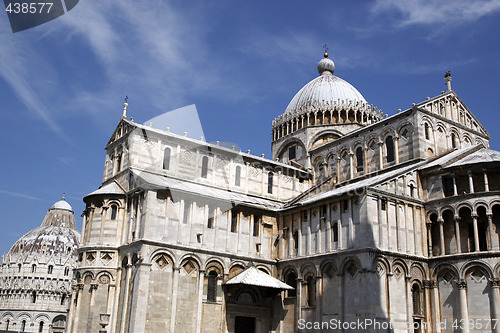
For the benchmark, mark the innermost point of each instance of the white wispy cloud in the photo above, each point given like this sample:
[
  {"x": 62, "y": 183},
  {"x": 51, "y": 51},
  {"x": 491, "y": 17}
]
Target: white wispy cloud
[
  {"x": 145, "y": 49},
  {"x": 437, "y": 11},
  {"x": 19, "y": 195},
  {"x": 17, "y": 70}
]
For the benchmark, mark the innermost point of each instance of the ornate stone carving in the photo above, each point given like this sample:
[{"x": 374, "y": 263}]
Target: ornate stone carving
[
  {"x": 462, "y": 284},
  {"x": 104, "y": 279}
]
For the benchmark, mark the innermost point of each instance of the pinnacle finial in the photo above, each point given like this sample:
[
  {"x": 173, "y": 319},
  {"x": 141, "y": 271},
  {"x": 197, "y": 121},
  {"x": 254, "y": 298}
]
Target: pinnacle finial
[
  {"x": 64, "y": 197},
  {"x": 325, "y": 47},
  {"x": 124, "y": 116},
  {"x": 447, "y": 79}
]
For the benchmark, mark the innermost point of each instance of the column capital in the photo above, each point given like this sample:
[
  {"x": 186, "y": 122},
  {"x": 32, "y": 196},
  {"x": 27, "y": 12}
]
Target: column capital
[
  {"x": 440, "y": 221},
  {"x": 495, "y": 282},
  {"x": 430, "y": 284},
  {"x": 93, "y": 286},
  {"x": 462, "y": 284}
]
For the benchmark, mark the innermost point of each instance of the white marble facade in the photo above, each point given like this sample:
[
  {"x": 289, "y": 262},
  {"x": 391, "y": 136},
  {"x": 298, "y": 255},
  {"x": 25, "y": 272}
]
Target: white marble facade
[{"x": 393, "y": 221}]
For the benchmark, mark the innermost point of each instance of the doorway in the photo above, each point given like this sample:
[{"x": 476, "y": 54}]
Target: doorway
[{"x": 244, "y": 324}]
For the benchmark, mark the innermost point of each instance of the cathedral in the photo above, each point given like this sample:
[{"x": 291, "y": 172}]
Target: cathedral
[{"x": 360, "y": 222}]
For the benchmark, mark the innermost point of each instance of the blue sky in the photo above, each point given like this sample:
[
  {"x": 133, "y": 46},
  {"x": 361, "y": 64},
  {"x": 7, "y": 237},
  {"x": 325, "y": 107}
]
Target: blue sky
[{"x": 62, "y": 84}]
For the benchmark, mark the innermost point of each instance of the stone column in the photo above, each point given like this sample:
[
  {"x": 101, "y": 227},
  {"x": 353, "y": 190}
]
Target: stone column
[
  {"x": 200, "y": 301},
  {"x": 351, "y": 165},
  {"x": 84, "y": 227},
  {"x": 427, "y": 299},
  {"x": 365, "y": 159},
  {"x": 495, "y": 302},
  {"x": 490, "y": 229},
  {"x": 140, "y": 200},
  {"x": 381, "y": 154},
  {"x": 104, "y": 214},
  {"x": 429, "y": 237},
  {"x": 299, "y": 238},
  {"x": 309, "y": 233},
  {"x": 318, "y": 293},
  {"x": 126, "y": 293},
  {"x": 175, "y": 286},
  {"x": 486, "y": 185},
  {"x": 441, "y": 236},
  {"x": 476, "y": 234},
  {"x": 328, "y": 224},
  {"x": 340, "y": 242},
  {"x": 462, "y": 294},
  {"x": 457, "y": 233},
  {"x": 409, "y": 307},
  {"x": 298, "y": 305},
  {"x": 380, "y": 228},
  {"x": 436, "y": 305},
  {"x": 471, "y": 182},
  {"x": 455, "y": 192},
  {"x": 396, "y": 149}
]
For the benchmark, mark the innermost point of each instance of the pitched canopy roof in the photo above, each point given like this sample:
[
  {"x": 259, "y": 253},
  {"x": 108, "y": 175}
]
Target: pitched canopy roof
[{"x": 254, "y": 277}]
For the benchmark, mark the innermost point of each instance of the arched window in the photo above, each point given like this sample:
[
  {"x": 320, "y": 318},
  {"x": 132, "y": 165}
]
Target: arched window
[
  {"x": 63, "y": 298},
  {"x": 204, "y": 167},
  {"x": 212, "y": 286},
  {"x": 211, "y": 217},
  {"x": 237, "y": 176},
  {"x": 234, "y": 220},
  {"x": 119, "y": 163},
  {"x": 7, "y": 325},
  {"x": 114, "y": 210},
  {"x": 389, "y": 147},
  {"x": 359, "y": 159},
  {"x": 296, "y": 240},
  {"x": 310, "y": 291},
  {"x": 427, "y": 132},
  {"x": 49, "y": 269},
  {"x": 66, "y": 271},
  {"x": 417, "y": 300},
  {"x": 335, "y": 232},
  {"x": 270, "y": 183},
  {"x": 292, "y": 153},
  {"x": 33, "y": 268},
  {"x": 291, "y": 280},
  {"x": 23, "y": 325},
  {"x": 40, "y": 327},
  {"x": 18, "y": 267},
  {"x": 33, "y": 297},
  {"x": 166, "y": 158},
  {"x": 453, "y": 140}
]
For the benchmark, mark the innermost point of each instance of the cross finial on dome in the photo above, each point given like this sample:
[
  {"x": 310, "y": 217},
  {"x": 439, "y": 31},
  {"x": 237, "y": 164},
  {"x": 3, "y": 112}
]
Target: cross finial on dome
[{"x": 326, "y": 51}]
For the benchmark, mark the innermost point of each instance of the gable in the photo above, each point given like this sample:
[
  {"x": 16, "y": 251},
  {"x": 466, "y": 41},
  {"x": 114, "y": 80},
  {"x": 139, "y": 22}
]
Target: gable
[
  {"x": 123, "y": 128},
  {"x": 451, "y": 107}
]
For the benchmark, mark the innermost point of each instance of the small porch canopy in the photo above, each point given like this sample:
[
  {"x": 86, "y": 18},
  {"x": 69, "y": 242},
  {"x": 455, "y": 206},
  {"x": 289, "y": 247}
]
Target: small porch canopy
[{"x": 254, "y": 277}]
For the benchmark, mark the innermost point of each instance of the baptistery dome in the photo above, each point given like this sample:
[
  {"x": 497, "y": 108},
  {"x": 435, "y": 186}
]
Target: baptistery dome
[{"x": 57, "y": 235}]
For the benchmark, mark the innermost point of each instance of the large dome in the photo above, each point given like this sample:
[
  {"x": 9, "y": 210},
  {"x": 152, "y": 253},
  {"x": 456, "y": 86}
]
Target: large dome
[
  {"x": 326, "y": 90},
  {"x": 56, "y": 236}
]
